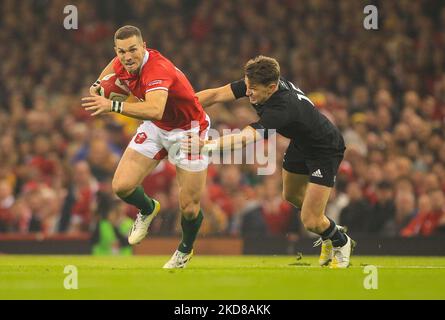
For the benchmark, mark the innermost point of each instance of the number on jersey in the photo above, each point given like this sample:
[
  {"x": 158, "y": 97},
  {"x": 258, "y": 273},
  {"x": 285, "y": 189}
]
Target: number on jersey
[{"x": 300, "y": 94}]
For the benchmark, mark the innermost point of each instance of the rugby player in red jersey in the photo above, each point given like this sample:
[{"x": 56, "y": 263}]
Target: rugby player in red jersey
[{"x": 169, "y": 109}]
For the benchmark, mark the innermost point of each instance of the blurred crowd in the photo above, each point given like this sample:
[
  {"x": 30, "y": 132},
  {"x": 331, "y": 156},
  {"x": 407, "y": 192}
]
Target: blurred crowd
[{"x": 385, "y": 90}]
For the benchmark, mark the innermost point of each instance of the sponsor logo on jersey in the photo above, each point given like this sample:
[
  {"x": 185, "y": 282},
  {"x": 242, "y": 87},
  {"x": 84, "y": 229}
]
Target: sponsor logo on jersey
[{"x": 154, "y": 82}]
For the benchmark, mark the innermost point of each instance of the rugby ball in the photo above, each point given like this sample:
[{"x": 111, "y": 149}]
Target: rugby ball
[{"x": 112, "y": 88}]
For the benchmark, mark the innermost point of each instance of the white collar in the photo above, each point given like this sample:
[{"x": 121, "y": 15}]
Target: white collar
[{"x": 144, "y": 61}]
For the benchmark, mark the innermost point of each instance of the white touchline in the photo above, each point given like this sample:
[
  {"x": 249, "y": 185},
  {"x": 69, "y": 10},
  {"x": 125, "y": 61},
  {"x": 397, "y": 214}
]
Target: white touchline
[{"x": 377, "y": 266}]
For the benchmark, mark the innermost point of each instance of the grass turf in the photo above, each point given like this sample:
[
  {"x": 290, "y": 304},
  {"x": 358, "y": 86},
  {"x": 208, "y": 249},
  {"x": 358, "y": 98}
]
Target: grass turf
[{"x": 219, "y": 277}]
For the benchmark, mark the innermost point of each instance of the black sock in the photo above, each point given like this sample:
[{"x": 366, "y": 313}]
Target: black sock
[
  {"x": 190, "y": 230},
  {"x": 139, "y": 199},
  {"x": 332, "y": 232}
]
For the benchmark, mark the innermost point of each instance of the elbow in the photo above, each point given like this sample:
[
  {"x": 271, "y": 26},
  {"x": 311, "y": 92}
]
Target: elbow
[
  {"x": 203, "y": 103},
  {"x": 200, "y": 98},
  {"x": 158, "y": 116}
]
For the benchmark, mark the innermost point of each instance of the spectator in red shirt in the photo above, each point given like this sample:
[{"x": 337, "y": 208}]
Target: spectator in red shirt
[
  {"x": 431, "y": 211},
  {"x": 277, "y": 213},
  {"x": 43, "y": 160},
  {"x": 230, "y": 183}
]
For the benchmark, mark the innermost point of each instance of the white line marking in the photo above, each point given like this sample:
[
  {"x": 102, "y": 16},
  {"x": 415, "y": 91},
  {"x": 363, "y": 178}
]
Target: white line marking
[{"x": 380, "y": 267}]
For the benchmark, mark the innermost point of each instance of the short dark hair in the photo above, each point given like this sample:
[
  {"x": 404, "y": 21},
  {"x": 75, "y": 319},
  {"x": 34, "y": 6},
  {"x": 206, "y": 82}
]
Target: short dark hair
[
  {"x": 262, "y": 70},
  {"x": 126, "y": 32}
]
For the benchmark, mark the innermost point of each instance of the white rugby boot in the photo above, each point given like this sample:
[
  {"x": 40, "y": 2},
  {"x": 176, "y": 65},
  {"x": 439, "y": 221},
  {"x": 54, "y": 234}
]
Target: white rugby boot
[
  {"x": 341, "y": 255},
  {"x": 140, "y": 227},
  {"x": 178, "y": 260}
]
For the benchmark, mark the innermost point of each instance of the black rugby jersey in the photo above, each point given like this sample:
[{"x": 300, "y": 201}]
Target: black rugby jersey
[{"x": 293, "y": 115}]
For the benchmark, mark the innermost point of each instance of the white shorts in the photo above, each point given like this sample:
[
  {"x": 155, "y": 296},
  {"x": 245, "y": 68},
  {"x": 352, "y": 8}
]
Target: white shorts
[{"x": 156, "y": 143}]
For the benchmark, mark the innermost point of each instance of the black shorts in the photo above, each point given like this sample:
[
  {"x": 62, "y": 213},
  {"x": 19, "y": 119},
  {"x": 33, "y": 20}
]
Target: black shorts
[{"x": 321, "y": 170}]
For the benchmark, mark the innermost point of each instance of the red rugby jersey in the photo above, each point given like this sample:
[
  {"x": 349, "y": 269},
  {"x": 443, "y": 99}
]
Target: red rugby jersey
[{"x": 158, "y": 73}]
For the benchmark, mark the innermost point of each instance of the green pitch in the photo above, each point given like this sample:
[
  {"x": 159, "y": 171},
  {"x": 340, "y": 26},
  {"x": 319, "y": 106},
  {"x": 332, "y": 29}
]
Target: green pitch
[{"x": 219, "y": 277}]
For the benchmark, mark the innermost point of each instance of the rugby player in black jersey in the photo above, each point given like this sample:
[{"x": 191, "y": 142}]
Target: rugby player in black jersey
[{"x": 312, "y": 158}]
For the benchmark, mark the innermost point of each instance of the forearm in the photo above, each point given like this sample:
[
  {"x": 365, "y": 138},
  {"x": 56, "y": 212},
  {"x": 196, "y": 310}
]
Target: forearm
[
  {"x": 217, "y": 95},
  {"x": 228, "y": 142},
  {"x": 233, "y": 141},
  {"x": 141, "y": 111},
  {"x": 207, "y": 97}
]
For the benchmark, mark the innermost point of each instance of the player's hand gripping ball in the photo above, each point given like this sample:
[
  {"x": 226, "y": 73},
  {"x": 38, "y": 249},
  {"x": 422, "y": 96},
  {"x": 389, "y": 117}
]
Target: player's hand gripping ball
[
  {"x": 112, "y": 88},
  {"x": 106, "y": 96}
]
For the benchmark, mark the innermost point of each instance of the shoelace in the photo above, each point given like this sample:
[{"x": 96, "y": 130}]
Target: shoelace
[
  {"x": 139, "y": 219},
  {"x": 181, "y": 256},
  {"x": 178, "y": 258},
  {"x": 318, "y": 242}
]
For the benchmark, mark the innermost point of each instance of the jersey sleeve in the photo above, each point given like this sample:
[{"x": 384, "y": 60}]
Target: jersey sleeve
[
  {"x": 273, "y": 118},
  {"x": 238, "y": 88},
  {"x": 160, "y": 77}
]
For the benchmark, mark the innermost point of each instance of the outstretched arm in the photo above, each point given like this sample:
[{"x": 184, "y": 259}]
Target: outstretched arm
[
  {"x": 217, "y": 95},
  {"x": 193, "y": 144}
]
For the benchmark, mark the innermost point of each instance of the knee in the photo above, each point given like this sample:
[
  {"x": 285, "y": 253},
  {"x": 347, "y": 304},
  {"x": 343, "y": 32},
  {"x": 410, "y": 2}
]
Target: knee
[
  {"x": 294, "y": 199},
  {"x": 189, "y": 208},
  {"x": 121, "y": 188}
]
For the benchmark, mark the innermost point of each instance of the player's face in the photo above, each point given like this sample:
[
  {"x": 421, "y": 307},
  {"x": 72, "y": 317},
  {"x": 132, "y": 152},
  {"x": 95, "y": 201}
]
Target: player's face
[
  {"x": 131, "y": 53},
  {"x": 258, "y": 93}
]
